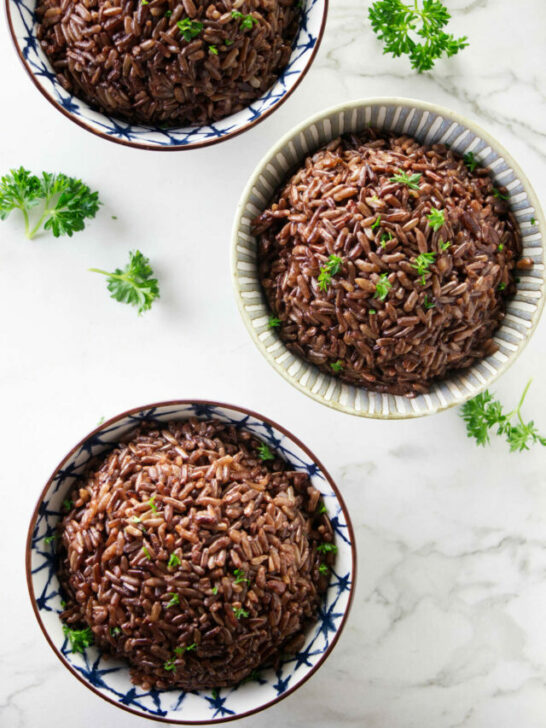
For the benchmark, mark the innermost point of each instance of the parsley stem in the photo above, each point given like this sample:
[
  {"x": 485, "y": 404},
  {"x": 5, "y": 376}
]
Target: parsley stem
[
  {"x": 518, "y": 410},
  {"x": 32, "y": 233},
  {"x": 102, "y": 272}
]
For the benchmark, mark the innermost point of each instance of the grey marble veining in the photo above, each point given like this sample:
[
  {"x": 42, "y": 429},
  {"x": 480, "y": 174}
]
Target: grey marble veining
[{"x": 447, "y": 628}]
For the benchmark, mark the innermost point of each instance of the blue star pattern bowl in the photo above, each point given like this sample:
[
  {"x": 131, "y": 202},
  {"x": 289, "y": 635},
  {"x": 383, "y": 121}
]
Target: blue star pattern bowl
[
  {"x": 110, "y": 678},
  {"x": 22, "y": 25},
  {"x": 430, "y": 124}
]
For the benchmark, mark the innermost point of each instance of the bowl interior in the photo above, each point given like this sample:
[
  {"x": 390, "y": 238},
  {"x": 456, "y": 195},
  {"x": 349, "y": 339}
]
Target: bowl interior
[
  {"x": 23, "y": 30},
  {"x": 110, "y": 678},
  {"x": 429, "y": 124}
]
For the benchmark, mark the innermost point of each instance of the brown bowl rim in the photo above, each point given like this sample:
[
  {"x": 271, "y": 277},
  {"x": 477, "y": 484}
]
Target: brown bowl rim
[
  {"x": 175, "y": 147},
  {"x": 242, "y": 410}
]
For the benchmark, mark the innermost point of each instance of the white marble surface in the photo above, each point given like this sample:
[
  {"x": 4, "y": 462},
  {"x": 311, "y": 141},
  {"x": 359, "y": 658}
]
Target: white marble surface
[{"x": 448, "y": 627}]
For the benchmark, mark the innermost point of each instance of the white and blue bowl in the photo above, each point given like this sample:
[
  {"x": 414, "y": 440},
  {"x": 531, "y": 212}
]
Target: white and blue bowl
[
  {"x": 430, "y": 124},
  {"x": 22, "y": 24},
  {"x": 109, "y": 678}
]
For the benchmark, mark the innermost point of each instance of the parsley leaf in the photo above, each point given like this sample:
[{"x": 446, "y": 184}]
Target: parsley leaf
[
  {"x": 482, "y": 413},
  {"x": 329, "y": 269},
  {"x": 414, "y": 30},
  {"x": 67, "y": 201},
  {"x": 323, "y": 569},
  {"x": 169, "y": 666},
  {"x": 471, "y": 161},
  {"x": 337, "y": 366},
  {"x": 175, "y": 599},
  {"x": 79, "y": 639},
  {"x": 189, "y": 28},
  {"x": 382, "y": 287},
  {"x": 325, "y": 548},
  {"x": 436, "y": 219},
  {"x": 240, "y": 612},
  {"x": 273, "y": 322},
  {"x": 173, "y": 561},
  {"x": 411, "y": 181},
  {"x": 152, "y": 504},
  {"x": 247, "y": 21},
  {"x": 240, "y": 577},
  {"x": 265, "y": 453},
  {"x": 133, "y": 284},
  {"x": 422, "y": 263}
]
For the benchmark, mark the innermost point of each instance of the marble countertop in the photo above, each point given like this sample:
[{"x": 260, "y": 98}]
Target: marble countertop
[{"x": 447, "y": 628}]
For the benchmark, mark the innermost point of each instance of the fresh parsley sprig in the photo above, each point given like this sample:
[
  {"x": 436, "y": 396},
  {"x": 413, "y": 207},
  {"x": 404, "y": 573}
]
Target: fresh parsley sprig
[
  {"x": 79, "y": 639},
  {"x": 483, "y": 413},
  {"x": 411, "y": 181},
  {"x": 265, "y": 453},
  {"x": 422, "y": 263},
  {"x": 247, "y": 21},
  {"x": 189, "y": 29},
  {"x": 382, "y": 287},
  {"x": 329, "y": 269},
  {"x": 134, "y": 283},
  {"x": 436, "y": 219},
  {"x": 66, "y": 201},
  {"x": 415, "y": 30}
]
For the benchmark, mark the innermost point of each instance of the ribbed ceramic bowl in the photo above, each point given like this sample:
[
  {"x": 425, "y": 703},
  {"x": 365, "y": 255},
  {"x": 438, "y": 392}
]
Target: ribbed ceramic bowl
[
  {"x": 20, "y": 14},
  {"x": 430, "y": 124},
  {"x": 109, "y": 678}
]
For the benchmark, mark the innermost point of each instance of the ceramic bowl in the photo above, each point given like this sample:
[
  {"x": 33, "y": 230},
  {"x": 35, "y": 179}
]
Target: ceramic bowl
[
  {"x": 20, "y": 14},
  {"x": 430, "y": 124},
  {"x": 110, "y": 678}
]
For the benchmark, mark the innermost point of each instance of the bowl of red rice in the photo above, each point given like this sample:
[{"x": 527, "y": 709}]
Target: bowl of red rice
[
  {"x": 191, "y": 562},
  {"x": 388, "y": 258},
  {"x": 166, "y": 74}
]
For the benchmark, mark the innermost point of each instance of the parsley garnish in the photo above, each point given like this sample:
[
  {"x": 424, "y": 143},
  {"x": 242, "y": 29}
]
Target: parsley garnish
[
  {"x": 239, "y": 612},
  {"x": 372, "y": 311},
  {"x": 498, "y": 194},
  {"x": 175, "y": 599},
  {"x": 273, "y": 322},
  {"x": 532, "y": 221},
  {"x": 213, "y": 49},
  {"x": 133, "y": 284},
  {"x": 247, "y": 21},
  {"x": 501, "y": 286},
  {"x": 180, "y": 650},
  {"x": 396, "y": 24},
  {"x": 214, "y": 590},
  {"x": 411, "y": 181},
  {"x": 444, "y": 246},
  {"x": 168, "y": 13},
  {"x": 470, "y": 161},
  {"x": 67, "y": 504},
  {"x": 228, "y": 42},
  {"x": 436, "y": 219},
  {"x": 265, "y": 453},
  {"x": 189, "y": 28},
  {"x": 500, "y": 247},
  {"x": 428, "y": 304},
  {"x": 67, "y": 201},
  {"x": 170, "y": 666},
  {"x": 50, "y": 539},
  {"x": 326, "y": 548},
  {"x": 386, "y": 238},
  {"x": 323, "y": 569},
  {"x": 173, "y": 561},
  {"x": 422, "y": 263},
  {"x": 337, "y": 366},
  {"x": 146, "y": 553},
  {"x": 115, "y": 631},
  {"x": 153, "y": 505},
  {"x": 382, "y": 287},
  {"x": 79, "y": 638},
  {"x": 482, "y": 413},
  {"x": 329, "y": 269},
  {"x": 377, "y": 223},
  {"x": 240, "y": 577},
  {"x": 322, "y": 509}
]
